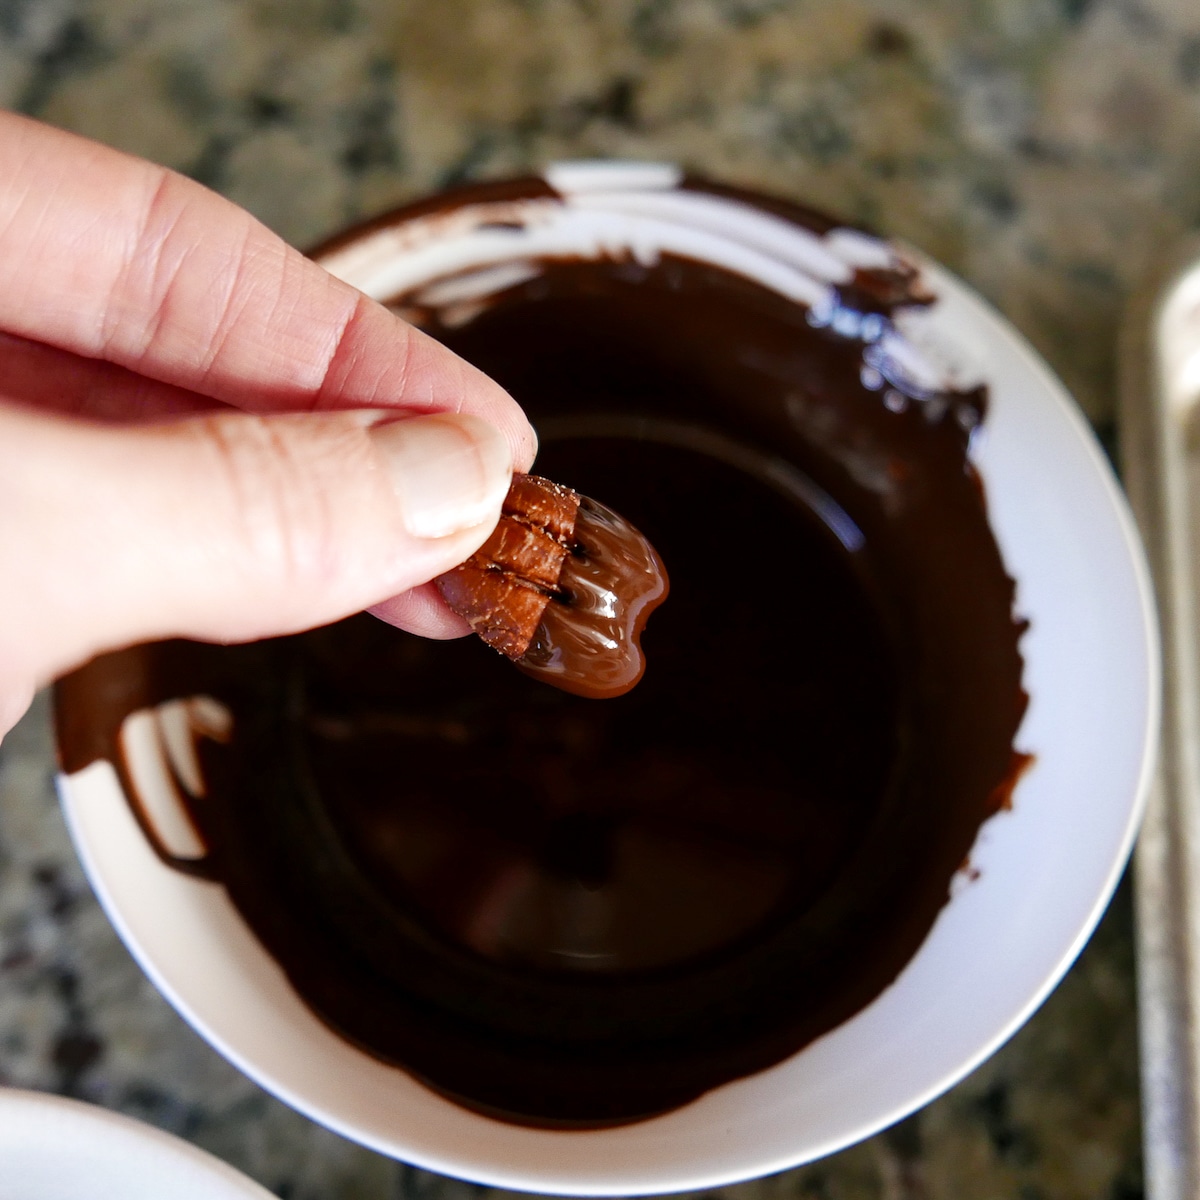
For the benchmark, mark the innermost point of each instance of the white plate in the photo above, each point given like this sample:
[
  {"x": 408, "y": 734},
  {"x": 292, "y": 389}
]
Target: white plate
[
  {"x": 1047, "y": 868},
  {"x": 56, "y": 1149}
]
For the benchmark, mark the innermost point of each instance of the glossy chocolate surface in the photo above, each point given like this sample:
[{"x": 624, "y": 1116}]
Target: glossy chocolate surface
[
  {"x": 569, "y": 912},
  {"x": 589, "y": 640}
]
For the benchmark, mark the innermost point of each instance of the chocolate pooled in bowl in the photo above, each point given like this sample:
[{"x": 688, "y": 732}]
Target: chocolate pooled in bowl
[{"x": 564, "y": 911}]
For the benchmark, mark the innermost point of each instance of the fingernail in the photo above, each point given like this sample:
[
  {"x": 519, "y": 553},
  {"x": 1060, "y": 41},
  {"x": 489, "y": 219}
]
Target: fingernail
[{"x": 450, "y": 471}]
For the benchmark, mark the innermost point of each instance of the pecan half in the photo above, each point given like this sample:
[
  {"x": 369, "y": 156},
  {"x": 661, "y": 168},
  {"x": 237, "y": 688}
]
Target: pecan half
[{"x": 503, "y": 588}]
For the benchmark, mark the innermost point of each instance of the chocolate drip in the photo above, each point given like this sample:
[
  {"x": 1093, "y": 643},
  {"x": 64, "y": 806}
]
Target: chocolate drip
[{"x": 589, "y": 638}]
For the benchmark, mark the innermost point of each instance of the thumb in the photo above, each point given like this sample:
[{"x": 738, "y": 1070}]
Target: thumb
[{"x": 226, "y": 527}]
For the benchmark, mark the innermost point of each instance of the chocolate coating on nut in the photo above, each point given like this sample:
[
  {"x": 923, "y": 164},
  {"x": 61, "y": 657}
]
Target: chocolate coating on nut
[
  {"x": 589, "y": 638},
  {"x": 563, "y": 587}
]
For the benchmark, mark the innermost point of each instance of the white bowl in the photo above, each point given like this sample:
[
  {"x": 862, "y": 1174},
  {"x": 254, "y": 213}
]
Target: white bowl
[
  {"x": 1046, "y": 868},
  {"x": 56, "y": 1149}
]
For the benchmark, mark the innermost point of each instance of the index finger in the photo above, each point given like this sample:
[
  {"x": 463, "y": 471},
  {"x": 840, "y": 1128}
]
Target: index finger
[{"x": 115, "y": 258}]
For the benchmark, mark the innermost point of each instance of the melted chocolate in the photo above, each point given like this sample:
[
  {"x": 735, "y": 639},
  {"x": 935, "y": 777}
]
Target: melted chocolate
[
  {"x": 559, "y": 911},
  {"x": 589, "y": 640}
]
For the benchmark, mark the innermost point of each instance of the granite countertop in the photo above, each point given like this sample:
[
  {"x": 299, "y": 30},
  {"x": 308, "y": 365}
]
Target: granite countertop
[{"x": 1047, "y": 150}]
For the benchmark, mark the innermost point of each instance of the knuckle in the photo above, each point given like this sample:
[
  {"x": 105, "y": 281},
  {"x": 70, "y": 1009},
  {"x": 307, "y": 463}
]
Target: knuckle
[{"x": 283, "y": 518}]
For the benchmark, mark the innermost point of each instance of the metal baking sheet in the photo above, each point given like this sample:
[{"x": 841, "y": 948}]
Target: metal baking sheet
[{"x": 1160, "y": 442}]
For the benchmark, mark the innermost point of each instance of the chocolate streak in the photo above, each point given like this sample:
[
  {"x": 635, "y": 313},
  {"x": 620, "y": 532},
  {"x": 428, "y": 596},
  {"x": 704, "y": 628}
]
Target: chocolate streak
[{"x": 565, "y": 912}]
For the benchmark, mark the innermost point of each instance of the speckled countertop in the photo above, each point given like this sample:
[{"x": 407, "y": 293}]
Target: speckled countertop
[{"x": 1047, "y": 150}]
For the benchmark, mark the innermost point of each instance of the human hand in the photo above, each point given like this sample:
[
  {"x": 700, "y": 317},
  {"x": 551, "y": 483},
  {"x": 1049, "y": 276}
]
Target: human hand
[{"x": 203, "y": 434}]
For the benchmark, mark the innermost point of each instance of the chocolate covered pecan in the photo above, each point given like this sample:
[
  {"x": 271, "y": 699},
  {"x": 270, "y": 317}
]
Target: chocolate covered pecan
[{"x": 563, "y": 587}]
